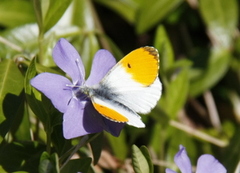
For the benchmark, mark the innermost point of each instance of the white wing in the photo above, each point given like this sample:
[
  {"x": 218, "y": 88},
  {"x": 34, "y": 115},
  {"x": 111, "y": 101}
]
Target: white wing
[
  {"x": 118, "y": 110},
  {"x": 132, "y": 94}
]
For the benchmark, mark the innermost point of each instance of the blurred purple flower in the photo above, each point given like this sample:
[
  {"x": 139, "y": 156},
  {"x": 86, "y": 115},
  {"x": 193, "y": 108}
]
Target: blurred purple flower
[
  {"x": 80, "y": 117},
  {"x": 205, "y": 164}
]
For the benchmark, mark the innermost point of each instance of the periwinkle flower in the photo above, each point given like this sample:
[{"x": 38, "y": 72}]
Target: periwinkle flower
[
  {"x": 80, "y": 117},
  {"x": 206, "y": 163}
]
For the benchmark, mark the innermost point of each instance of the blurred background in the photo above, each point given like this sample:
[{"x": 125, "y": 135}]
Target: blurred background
[{"x": 199, "y": 47}]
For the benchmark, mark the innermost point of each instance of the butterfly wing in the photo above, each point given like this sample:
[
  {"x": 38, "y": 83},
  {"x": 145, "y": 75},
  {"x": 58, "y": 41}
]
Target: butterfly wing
[
  {"x": 116, "y": 112},
  {"x": 135, "y": 80}
]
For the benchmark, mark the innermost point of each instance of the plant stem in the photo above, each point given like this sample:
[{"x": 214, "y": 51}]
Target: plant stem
[{"x": 81, "y": 143}]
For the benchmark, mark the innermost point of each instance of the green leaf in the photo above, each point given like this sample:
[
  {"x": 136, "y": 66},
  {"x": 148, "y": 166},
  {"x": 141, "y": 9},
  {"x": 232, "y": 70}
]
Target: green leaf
[
  {"x": 220, "y": 20},
  {"x": 231, "y": 154},
  {"x": 127, "y": 8},
  {"x": 152, "y": 11},
  {"x": 49, "y": 164},
  {"x": 13, "y": 113},
  {"x": 141, "y": 160},
  {"x": 11, "y": 83},
  {"x": 11, "y": 98},
  {"x": 83, "y": 15},
  {"x": 31, "y": 72},
  {"x": 47, "y": 47},
  {"x": 24, "y": 130},
  {"x": 89, "y": 46},
  {"x": 33, "y": 96},
  {"x": 24, "y": 38},
  {"x": 162, "y": 43},
  {"x": 60, "y": 144},
  {"x": 112, "y": 47},
  {"x": 147, "y": 156},
  {"x": 175, "y": 94},
  {"x": 158, "y": 132},
  {"x": 77, "y": 165},
  {"x": 55, "y": 11},
  {"x": 38, "y": 13},
  {"x": 118, "y": 145},
  {"x": 20, "y": 156},
  {"x": 183, "y": 139},
  {"x": 208, "y": 75},
  {"x": 96, "y": 145},
  {"x": 16, "y": 12}
]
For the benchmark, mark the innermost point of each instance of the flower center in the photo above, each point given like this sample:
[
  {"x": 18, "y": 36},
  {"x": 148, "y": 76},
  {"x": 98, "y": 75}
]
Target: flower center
[{"x": 78, "y": 92}]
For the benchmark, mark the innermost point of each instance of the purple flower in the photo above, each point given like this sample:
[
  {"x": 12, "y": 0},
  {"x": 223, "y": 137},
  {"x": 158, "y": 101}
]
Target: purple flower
[
  {"x": 80, "y": 117},
  {"x": 205, "y": 164}
]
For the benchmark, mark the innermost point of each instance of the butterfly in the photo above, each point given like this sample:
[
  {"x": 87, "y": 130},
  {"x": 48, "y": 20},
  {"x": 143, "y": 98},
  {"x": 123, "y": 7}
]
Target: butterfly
[{"x": 132, "y": 86}]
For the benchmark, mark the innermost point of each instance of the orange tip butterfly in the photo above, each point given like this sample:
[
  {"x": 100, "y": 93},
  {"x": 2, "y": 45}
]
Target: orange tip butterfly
[{"x": 132, "y": 86}]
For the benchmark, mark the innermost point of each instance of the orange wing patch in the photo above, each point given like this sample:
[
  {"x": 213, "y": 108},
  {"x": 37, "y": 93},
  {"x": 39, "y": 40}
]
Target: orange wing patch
[
  {"x": 109, "y": 113},
  {"x": 142, "y": 64}
]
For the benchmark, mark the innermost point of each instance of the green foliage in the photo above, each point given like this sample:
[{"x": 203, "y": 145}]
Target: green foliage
[
  {"x": 199, "y": 49},
  {"x": 221, "y": 28},
  {"x": 153, "y": 11},
  {"x": 141, "y": 160},
  {"x": 48, "y": 164},
  {"x": 77, "y": 165},
  {"x": 13, "y": 15}
]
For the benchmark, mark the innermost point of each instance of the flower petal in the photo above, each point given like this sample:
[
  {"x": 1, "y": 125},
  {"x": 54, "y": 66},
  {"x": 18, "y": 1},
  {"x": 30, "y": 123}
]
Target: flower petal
[
  {"x": 182, "y": 160},
  {"x": 169, "y": 171},
  {"x": 82, "y": 119},
  {"x": 68, "y": 59},
  {"x": 103, "y": 61},
  {"x": 77, "y": 121},
  {"x": 54, "y": 87},
  {"x": 208, "y": 164},
  {"x": 113, "y": 127},
  {"x": 110, "y": 126}
]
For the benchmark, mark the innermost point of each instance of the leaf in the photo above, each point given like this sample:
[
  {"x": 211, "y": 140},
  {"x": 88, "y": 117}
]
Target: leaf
[
  {"x": 83, "y": 15},
  {"x": 89, "y": 46},
  {"x": 11, "y": 83},
  {"x": 175, "y": 94},
  {"x": 24, "y": 130},
  {"x": 146, "y": 154},
  {"x": 158, "y": 132},
  {"x": 38, "y": 13},
  {"x": 31, "y": 72},
  {"x": 55, "y": 11},
  {"x": 220, "y": 20},
  {"x": 152, "y": 11},
  {"x": 118, "y": 145},
  {"x": 47, "y": 46},
  {"x": 49, "y": 164},
  {"x": 13, "y": 113},
  {"x": 77, "y": 165},
  {"x": 231, "y": 154},
  {"x": 127, "y": 8},
  {"x": 96, "y": 145},
  {"x": 112, "y": 47},
  {"x": 20, "y": 156},
  {"x": 162, "y": 43},
  {"x": 60, "y": 144},
  {"x": 208, "y": 75},
  {"x": 12, "y": 13},
  {"x": 141, "y": 160},
  {"x": 11, "y": 97},
  {"x": 24, "y": 37},
  {"x": 182, "y": 138},
  {"x": 33, "y": 96}
]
